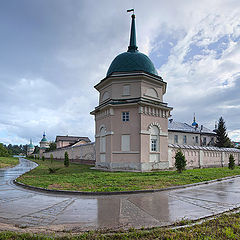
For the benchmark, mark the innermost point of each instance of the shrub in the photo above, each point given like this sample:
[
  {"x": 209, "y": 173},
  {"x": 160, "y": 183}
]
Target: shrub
[
  {"x": 43, "y": 158},
  {"x": 180, "y": 161},
  {"x": 51, "y": 158},
  {"x": 231, "y": 163},
  {"x": 53, "y": 170},
  {"x": 66, "y": 159}
]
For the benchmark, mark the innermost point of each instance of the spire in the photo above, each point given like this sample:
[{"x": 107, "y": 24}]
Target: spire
[
  {"x": 133, "y": 46},
  {"x": 30, "y": 141},
  {"x": 44, "y": 134}
]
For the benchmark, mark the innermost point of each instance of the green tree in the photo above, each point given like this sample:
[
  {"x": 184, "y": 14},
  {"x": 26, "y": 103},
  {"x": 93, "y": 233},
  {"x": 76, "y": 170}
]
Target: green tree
[
  {"x": 66, "y": 159},
  {"x": 222, "y": 137},
  {"x": 36, "y": 149},
  {"x": 52, "y": 147},
  {"x": 51, "y": 158},
  {"x": 43, "y": 158},
  {"x": 180, "y": 161},
  {"x": 3, "y": 151},
  {"x": 231, "y": 163}
]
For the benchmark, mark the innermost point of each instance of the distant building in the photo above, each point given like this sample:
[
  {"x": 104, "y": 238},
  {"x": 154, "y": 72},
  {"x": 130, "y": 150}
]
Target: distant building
[
  {"x": 193, "y": 135},
  {"x": 65, "y": 141},
  {"x": 44, "y": 144},
  {"x": 30, "y": 148}
]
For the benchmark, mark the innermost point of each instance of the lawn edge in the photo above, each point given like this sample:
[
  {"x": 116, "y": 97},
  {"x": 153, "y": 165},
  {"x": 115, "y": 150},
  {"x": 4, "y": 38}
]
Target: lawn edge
[
  {"x": 8, "y": 167},
  {"x": 68, "y": 192}
]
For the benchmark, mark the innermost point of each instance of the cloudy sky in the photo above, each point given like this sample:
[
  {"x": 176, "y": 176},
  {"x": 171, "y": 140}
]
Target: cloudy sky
[{"x": 54, "y": 52}]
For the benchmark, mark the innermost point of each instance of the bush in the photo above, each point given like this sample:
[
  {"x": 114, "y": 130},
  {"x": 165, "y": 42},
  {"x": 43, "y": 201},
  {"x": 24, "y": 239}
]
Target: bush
[
  {"x": 43, "y": 158},
  {"x": 51, "y": 158},
  {"x": 66, "y": 159},
  {"x": 231, "y": 163},
  {"x": 53, "y": 170},
  {"x": 180, "y": 161}
]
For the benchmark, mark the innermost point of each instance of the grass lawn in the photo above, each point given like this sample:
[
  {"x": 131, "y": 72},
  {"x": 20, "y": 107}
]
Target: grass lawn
[
  {"x": 221, "y": 228},
  {"x": 82, "y": 178},
  {"x": 8, "y": 162}
]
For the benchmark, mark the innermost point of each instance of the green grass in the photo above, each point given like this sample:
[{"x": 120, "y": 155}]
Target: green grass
[
  {"x": 226, "y": 226},
  {"x": 8, "y": 162},
  {"x": 82, "y": 178}
]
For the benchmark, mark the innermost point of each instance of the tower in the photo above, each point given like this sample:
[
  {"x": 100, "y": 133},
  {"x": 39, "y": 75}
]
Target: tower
[
  {"x": 30, "y": 148},
  {"x": 44, "y": 144},
  {"x": 131, "y": 120}
]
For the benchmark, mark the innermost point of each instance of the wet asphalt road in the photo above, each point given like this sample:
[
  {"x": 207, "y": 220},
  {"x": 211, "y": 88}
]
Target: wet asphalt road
[{"x": 27, "y": 208}]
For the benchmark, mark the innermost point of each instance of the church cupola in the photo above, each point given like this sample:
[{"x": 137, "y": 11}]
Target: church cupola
[
  {"x": 132, "y": 60},
  {"x": 194, "y": 124}
]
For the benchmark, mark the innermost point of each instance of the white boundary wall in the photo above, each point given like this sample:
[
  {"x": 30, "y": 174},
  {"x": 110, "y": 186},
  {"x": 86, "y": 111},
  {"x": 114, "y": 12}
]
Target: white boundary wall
[
  {"x": 76, "y": 153},
  {"x": 203, "y": 157},
  {"x": 196, "y": 156}
]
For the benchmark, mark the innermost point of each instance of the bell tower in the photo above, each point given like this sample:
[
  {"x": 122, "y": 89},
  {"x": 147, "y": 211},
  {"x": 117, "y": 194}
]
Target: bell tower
[{"x": 131, "y": 120}]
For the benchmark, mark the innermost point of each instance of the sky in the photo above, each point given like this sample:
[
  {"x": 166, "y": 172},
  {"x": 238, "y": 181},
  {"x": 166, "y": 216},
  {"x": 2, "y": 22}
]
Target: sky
[{"x": 54, "y": 52}]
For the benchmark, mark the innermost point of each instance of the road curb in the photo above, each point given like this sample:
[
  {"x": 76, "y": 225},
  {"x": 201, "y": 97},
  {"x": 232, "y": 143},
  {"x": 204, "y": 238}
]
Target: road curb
[{"x": 67, "y": 192}]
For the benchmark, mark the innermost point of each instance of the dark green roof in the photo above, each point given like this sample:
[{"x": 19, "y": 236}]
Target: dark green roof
[
  {"x": 132, "y": 60},
  {"x": 30, "y": 145},
  {"x": 44, "y": 139}
]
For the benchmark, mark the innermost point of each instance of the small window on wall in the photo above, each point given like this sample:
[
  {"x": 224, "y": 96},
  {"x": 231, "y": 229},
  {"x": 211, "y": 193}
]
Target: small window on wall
[
  {"x": 196, "y": 139},
  {"x": 126, "y": 90},
  {"x": 125, "y": 116},
  {"x": 154, "y": 139},
  {"x": 176, "y": 139},
  {"x": 153, "y": 145},
  {"x": 184, "y": 139},
  {"x": 204, "y": 141}
]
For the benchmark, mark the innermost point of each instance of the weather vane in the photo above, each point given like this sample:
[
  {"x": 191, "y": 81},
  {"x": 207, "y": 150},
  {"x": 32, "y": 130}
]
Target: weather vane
[{"x": 131, "y": 10}]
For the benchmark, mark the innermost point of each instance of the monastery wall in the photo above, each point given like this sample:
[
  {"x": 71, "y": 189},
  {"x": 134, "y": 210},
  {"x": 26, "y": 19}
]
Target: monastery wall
[
  {"x": 203, "y": 157},
  {"x": 84, "y": 153},
  {"x": 196, "y": 156}
]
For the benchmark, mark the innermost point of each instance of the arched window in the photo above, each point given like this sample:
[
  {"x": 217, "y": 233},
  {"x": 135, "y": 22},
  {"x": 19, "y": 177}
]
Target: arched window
[
  {"x": 105, "y": 96},
  {"x": 154, "y": 139},
  {"x": 151, "y": 92},
  {"x": 102, "y": 140}
]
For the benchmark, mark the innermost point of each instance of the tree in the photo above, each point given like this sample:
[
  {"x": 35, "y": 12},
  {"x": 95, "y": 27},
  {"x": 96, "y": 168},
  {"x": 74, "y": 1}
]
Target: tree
[
  {"x": 180, "y": 161},
  {"x": 3, "y": 151},
  {"x": 36, "y": 149},
  {"x": 66, "y": 159},
  {"x": 43, "y": 158},
  {"x": 24, "y": 147},
  {"x": 52, "y": 147},
  {"x": 222, "y": 137},
  {"x": 51, "y": 158},
  {"x": 231, "y": 163}
]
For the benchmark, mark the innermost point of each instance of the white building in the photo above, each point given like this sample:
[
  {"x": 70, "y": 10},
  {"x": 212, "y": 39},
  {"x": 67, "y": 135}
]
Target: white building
[{"x": 193, "y": 135}]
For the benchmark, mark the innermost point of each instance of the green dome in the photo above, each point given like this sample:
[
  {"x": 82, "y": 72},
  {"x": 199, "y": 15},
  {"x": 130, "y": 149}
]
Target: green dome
[
  {"x": 30, "y": 145},
  {"x": 130, "y": 62},
  {"x": 44, "y": 139}
]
